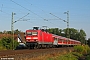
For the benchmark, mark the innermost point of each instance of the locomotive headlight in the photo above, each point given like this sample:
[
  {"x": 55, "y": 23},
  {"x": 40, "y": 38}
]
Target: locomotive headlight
[
  {"x": 35, "y": 40},
  {"x": 28, "y": 38},
  {"x": 35, "y": 37}
]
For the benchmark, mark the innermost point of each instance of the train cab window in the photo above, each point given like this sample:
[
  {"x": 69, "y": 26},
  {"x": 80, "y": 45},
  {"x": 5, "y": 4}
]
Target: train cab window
[
  {"x": 29, "y": 33},
  {"x": 34, "y": 33}
]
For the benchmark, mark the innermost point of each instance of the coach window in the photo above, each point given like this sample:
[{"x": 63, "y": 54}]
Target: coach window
[{"x": 62, "y": 40}]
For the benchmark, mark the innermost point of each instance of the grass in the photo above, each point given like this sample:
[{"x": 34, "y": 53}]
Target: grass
[
  {"x": 52, "y": 56},
  {"x": 68, "y": 56},
  {"x": 64, "y": 55},
  {"x": 79, "y": 52}
]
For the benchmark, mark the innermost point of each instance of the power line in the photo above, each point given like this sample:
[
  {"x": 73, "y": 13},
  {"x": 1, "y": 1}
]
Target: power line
[
  {"x": 32, "y": 11},
  {"x": 21, "y": 18},
  {"x": 43, "y": 11},
  {"x": 35, "y": 6},
  {"x": 51, "y": 22},
  {"x": 1, "y": 7},
  {"x": 26, "y": 8},
  {"x": 58, "y": 17},
  {"x": 3, "y": 11}
]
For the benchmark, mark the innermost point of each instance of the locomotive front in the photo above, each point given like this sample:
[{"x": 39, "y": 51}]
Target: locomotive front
[
  {"x": 31, "y": 38},
  {"x": 38, "y": 38}
]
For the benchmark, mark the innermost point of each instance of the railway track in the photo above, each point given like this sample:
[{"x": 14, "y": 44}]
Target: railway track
[{"x": 26, "y": 53}]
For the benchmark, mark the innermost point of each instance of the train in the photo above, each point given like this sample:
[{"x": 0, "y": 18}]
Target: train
[{"x": 40, "y": 38}]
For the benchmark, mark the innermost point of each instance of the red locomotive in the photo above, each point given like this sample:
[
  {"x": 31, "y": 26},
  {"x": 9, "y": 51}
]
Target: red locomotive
[{"x": 38, "y": 38}]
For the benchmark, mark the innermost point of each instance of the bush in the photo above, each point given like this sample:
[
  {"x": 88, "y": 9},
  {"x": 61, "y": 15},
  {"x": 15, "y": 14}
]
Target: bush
[
  {"x": 9, "y": 42},
  {"x": 79, "y": 49},
  {"x": 87, "y": 49},
  {"x": 1, "y": 46},
  {"x": 69, "y": 56},
  {"x": 88, "y": 57},
  {"x": 82, "y": 49},
  {"x": 77, "y": 55}
]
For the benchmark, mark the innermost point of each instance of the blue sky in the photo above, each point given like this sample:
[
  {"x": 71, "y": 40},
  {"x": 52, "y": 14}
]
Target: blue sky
[{"x": 79, "y": 14}]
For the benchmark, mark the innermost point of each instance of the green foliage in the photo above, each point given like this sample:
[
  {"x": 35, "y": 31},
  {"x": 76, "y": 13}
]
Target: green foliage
[
  {"x": 79, "y": 49},
  {"x": 82, "y": 49},
  {"x": 86, "y": 49},
  {"x": 67, "y": 57},
  {"x": 0, "y": 43},
  {"x": 8, "y": 43},
  {"x": 1, "y": 46},
  {"x": 79, "y": 52},
  {"x": 0, "y": 32},
  {"x": 50, "y": 59},
  {"x": 10, "y": 32},
  {"x": 88, "y": 41},
  {"x": 76, "y": 54},
  {"x": 88, "y": 57},
  {"x": 17, "y": 31}
]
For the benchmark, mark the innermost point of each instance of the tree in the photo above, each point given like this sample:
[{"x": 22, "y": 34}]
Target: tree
[
  {"x": 60, "y": 32},
  {"x": 82, "y": 36},
  {"x": 1, "y": 32},
  {"x": 9, "y": 32},
  {"x": 73, "y": 33},
  {"x": 56, "y": 31},
  {"x": 51, "y": 30},
  {"x": 88, "y": 41},
  {"x": 16, "y": 31}
]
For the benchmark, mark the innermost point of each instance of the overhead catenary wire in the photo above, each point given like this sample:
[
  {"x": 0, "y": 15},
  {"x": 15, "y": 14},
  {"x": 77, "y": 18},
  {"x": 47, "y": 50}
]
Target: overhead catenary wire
[
  {"x": 3, "y": 11},
  {"x": 22, "y": 18},
  {"x": 58, "y": 17},
  {"x": 1, "y": 7},
  {"x": 26, "y": 9},
  {"x": 44, "y": 12},
  {"x": 35, "y": 6},
  {"x": 32, "y": 12}
]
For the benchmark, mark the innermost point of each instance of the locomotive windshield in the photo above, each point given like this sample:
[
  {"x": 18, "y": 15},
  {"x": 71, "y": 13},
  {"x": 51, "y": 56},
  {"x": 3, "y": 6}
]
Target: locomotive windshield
[{"x": 32, "y": 33}]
